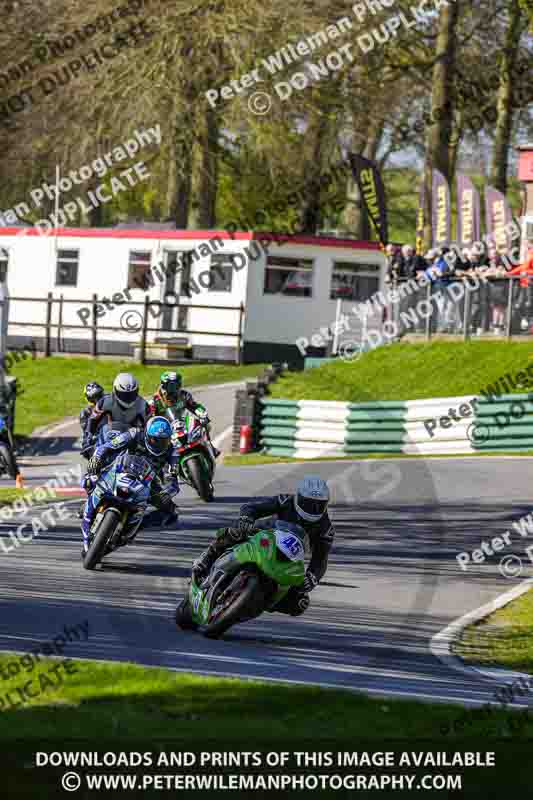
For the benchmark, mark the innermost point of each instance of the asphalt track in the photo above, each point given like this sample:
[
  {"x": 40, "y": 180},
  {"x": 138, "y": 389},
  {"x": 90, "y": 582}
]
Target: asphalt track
[{"x": 393, "y": 580}]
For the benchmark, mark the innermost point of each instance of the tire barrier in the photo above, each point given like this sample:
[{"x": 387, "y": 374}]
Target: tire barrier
[
  {"x": 311, "y": 428},
  {"x": 504, "y": 423}
]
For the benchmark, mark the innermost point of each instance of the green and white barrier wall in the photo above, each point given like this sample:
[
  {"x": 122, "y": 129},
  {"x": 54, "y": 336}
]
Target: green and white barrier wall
[
  {"x": 449, "y": 425},
  {"x": 505, "y": 423}
]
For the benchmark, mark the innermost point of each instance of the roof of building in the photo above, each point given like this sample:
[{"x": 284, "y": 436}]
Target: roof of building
[{"x": 164, "y": 233}]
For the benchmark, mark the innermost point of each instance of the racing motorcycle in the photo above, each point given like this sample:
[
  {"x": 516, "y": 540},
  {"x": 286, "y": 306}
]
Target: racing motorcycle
[
  {"x": 267, "y": 565},
  {"x": 89, "y": 443},
  {"x": 7, "y": 462},
  {"x": 124, "y": 489},
  {"x": 196, "y": 463}
]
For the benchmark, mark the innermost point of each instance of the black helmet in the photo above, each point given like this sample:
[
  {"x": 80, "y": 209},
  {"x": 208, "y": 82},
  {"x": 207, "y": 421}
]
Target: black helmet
[{"x": 93, "y": 392}]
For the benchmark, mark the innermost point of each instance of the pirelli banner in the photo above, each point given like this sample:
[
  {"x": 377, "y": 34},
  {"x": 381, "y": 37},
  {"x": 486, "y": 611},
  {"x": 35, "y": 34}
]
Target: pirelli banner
[
  {"x": 441, "y": 221},
  {"x": 368, "y": 178},
  {"x": 421, "y": 219},
  {"x": 498, "y": 219},
  {"x": 468, "y": 212}
]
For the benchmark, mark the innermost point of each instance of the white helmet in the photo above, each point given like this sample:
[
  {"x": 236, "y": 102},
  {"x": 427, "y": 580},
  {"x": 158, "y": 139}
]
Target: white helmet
[
  {"x": 126, "y": 389},
  {"x": 312, "y": 498}
]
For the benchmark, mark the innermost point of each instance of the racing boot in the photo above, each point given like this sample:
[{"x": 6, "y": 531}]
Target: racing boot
[
  {"x": 226, "y": 537},
  {"x": 202, "y": 566}
]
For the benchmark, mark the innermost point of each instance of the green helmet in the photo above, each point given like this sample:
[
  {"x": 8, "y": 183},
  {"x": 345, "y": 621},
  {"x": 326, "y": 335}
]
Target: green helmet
[{"x": 170, "y": 385}]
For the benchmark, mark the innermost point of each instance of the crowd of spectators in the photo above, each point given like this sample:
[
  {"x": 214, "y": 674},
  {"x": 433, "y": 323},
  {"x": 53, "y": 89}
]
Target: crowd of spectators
[{"x": 488, "y": 307}]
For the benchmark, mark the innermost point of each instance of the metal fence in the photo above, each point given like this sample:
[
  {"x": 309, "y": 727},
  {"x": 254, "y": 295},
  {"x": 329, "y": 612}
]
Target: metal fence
[
  {"x": 462, "y": 307},
  {"x": 174, "y": 337}
]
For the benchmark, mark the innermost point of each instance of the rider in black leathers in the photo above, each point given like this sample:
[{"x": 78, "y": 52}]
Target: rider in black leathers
[{"x": 307, "y": 508}]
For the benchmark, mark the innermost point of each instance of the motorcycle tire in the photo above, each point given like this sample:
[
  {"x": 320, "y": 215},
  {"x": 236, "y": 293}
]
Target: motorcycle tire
[
  {"x": 96, "y": 550},
  {"x": 183, "y": 617},
  {"x": 245, "y": 602},
  {"x": 199, "y": 480},
  {"x": 7, "y": 457}
]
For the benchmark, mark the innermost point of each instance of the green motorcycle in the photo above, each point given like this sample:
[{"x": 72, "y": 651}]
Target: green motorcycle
[
  {"x": 196, "y": 465},
  {"x": 245, "y": 581}
]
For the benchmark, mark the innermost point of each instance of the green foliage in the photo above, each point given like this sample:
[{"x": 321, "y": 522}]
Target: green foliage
[
  {"x": 408, "y": 372},
  {"x": 64, "y": 380}
]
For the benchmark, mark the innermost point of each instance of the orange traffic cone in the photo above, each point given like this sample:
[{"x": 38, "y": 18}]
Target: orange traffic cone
[{"x": 19, "y": 482}]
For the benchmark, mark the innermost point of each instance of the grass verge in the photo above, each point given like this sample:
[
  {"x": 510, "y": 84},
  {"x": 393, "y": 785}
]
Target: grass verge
[
  {"x": 9, "y": 495},
  {"x": 51, "y": 389},
  {"x": 252, "y": 459},
  {"x": 504, "y": 639},
  {"x": 410, "y": 372},
  {"x": 124, "y": 700}
]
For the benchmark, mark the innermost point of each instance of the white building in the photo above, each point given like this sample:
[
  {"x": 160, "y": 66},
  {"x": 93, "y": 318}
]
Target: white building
[{"x": 205, "y": 287}]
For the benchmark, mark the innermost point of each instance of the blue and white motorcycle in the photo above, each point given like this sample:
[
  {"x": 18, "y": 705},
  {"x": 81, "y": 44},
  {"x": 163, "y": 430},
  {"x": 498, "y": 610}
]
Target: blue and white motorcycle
[{"x": 121, "y": 495}]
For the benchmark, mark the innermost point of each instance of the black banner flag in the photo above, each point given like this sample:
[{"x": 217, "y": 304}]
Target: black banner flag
[{"x": 368, "y": 178}]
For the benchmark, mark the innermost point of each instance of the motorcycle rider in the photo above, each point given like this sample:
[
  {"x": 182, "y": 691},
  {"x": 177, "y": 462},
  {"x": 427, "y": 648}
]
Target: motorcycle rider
[
  {"x": 7, "y": 437},
  {"x": 93, "y": 392},
  {"x": 154, "y": 444},
  {"x": 170, "y": 395},
  {"x": 123, "y": 408},
  {"x": 308, "y": 507}
]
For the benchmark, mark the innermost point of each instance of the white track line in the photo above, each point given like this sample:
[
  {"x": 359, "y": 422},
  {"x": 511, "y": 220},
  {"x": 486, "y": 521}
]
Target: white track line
[
  {"x": 440, "y": 644},
  {"x": 221, "y": 436}
]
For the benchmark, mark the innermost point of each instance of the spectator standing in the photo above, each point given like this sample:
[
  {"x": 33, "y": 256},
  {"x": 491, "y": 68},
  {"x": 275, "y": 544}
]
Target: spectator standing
[
  {"x": 524, "y": 303},
  {"x": 497, "y": 290}
]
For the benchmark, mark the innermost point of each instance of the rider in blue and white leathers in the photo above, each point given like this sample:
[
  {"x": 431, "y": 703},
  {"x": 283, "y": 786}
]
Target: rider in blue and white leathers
[{"x": 154, "y": 444}]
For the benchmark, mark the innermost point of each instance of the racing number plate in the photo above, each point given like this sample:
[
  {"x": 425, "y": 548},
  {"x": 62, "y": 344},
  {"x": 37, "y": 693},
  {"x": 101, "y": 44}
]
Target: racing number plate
[{"x": 290, "y": 545}]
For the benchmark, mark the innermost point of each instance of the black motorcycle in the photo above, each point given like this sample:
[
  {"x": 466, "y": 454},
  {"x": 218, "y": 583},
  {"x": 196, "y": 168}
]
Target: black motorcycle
[{"x": 7, "y": 460}]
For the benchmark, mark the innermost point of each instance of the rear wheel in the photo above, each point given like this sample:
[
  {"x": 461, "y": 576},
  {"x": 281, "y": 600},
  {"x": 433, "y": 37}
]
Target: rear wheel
[
  {"x": 98, "y": 545},
  {"x": 199, "y": 478},
  {"x": 184, "y": 618},
  {"x": 244, "y": 599}
]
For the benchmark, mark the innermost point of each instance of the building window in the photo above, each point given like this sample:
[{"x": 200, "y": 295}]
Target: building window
[
  {"x": 292, "y": 277},
  {"x": 221, "y": 272},
  {"x": 67, "y": 267},
  {"x": 354, "y": 281},
  {"x": 139, "y": 268},
  {"x": 4, "y": 261}
]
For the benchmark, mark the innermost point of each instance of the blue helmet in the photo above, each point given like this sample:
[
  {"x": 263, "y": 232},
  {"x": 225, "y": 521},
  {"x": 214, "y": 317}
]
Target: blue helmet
[{"x": 157, "y": 435}]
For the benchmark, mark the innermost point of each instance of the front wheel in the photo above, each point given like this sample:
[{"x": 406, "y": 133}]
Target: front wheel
[
  {"x": 96, "y": 550},
  {"x": 245, "y": 598},
  {"x": 7, "y": 457},
  {"x": 200, "y": 479}
]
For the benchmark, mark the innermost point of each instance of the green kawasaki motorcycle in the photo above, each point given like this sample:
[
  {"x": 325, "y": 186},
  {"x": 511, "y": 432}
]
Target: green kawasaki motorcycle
[
  {"x": 196, "y": 465},
  {"x": 245, "y": 581}
]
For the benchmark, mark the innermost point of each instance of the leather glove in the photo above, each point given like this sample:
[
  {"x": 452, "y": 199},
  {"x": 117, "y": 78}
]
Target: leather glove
[
  {"x": 94, "y": 464},
  {"x": 245, "y": 524},
  {"x": 310, "y": 582}
]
